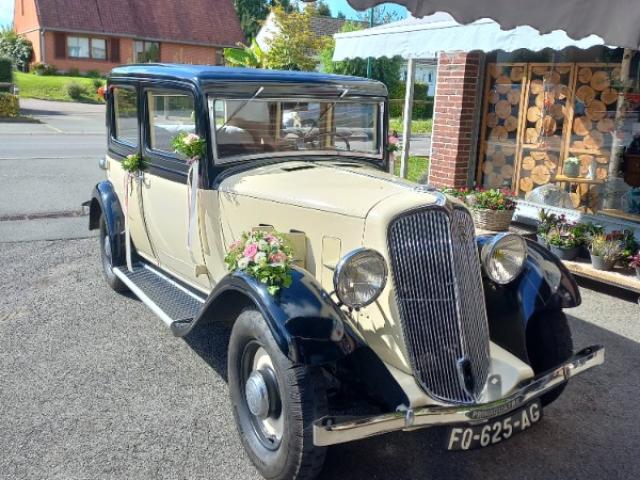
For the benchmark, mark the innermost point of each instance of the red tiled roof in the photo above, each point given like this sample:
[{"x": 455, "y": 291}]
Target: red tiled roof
[{"x": 210, "y": 22}]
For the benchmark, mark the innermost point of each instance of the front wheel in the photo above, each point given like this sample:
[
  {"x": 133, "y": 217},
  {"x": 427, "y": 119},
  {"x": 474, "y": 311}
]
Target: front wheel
[
  {"x": 274, "y": 402},
  {"x": 107, "y": 259}
]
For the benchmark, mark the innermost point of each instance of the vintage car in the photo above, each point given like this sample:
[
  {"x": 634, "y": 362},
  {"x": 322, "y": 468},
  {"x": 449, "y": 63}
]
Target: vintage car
[{"x": 396, "y": 316}]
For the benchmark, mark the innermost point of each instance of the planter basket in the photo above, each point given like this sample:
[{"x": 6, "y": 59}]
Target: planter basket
[
  {"x": 494, "y": 220},
  {"x": 600, "y": 263}
]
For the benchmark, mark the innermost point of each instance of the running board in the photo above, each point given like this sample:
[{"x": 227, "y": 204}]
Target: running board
[{"x": 175, "y": 304}]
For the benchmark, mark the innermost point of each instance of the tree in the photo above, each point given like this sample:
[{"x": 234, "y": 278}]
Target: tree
[
  {"x": 322, "y": 9},
  {"x": 341, "y": 15},
  {"x": 252, "y": 56},
  {"x": 252, "y": 13},
  {"x": 15, "y": 47},
  {"x": 386, "y": 70},
  {"x": 295, "y": 46}
]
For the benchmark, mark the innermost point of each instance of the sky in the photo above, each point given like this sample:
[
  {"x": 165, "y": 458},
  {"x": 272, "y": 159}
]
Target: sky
[{"x": 6, "y": 10}]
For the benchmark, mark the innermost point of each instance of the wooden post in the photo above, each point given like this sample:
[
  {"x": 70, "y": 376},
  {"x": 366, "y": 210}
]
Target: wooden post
[
  {"x": 616, "y": 144},
  {"x": 406, "y": 119}
]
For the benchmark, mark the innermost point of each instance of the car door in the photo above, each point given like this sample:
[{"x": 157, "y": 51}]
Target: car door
[
  {"x": 125, "y": 139},
  {"x": 170, "y": 109}
]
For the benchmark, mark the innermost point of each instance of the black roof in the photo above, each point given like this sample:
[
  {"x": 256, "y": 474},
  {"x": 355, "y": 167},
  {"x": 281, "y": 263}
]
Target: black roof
[{"x": 206, "y": 75}]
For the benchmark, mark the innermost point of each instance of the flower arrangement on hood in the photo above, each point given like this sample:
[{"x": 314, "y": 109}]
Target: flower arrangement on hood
[
  {"x": 190, "y": 145},
  {"x": 263, "y": 255}
]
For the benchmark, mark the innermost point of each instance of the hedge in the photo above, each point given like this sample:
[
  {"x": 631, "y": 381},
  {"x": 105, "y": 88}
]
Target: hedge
[
  {"x": 9, "y": 105},
  {"x": 6, "y": 70},
  {"x": 422, "y": 109},
  {"x": 420, "y": 91}
]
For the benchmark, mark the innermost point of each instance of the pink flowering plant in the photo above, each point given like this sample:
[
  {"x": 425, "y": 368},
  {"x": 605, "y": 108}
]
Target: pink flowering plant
[
  {"x": 393, "y": 144},
  {"x": 190, "y": 145},
  {"x": 263, "y": 255}
]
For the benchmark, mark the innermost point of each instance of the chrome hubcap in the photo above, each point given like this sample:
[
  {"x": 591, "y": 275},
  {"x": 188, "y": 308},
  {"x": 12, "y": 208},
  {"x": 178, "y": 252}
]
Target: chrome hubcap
[{"x": 257, "y": 394}]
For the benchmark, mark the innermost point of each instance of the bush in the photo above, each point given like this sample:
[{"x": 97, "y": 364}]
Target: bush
[
  {"x": 93, "y": 74},
  {"x": 15, "y": 47},
  {"x": 75, "y": 90},
  {"x": 9, "y": 105},
  {"x": 420, "y": 91},
  {"x": 6, "y": 70},
  {"x": 422, "y": 109},
  {"x": 73, "y": 72},
  {"x": 97, "y": 83},
  {"x": 43, "y": 69}
]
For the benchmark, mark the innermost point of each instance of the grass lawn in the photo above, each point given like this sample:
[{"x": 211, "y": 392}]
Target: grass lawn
[
  {"x": 417, "y": 126},
  {"x": 51, "y": 87},
  {"x": 418, "y": 166}
]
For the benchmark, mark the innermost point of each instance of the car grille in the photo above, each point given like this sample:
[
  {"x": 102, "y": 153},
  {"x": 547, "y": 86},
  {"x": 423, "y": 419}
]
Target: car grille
[{"x": 438, "y": 288}]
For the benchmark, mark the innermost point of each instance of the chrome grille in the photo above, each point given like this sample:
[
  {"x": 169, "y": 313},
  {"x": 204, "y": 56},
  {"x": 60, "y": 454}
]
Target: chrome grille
[{"x": 438, "y": 288}]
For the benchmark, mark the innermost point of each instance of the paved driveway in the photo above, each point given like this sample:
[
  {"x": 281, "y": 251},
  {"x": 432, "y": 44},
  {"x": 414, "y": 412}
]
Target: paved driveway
[{"x": 93, "y": 386}]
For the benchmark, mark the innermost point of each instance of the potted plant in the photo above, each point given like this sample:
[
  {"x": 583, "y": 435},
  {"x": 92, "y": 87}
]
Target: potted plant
[
  {"x": 546, "y": 221},
  {"x": 634, "y": 262},
  {"x": 563, "y": 243},
  {"x": 605, "y": 251},
  {"x": 491, "y": 209},
  {"x": 571, "y": 167}
]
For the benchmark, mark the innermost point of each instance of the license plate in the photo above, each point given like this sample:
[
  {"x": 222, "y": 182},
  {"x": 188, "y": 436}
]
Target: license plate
[{"x": 495, "y": 430}]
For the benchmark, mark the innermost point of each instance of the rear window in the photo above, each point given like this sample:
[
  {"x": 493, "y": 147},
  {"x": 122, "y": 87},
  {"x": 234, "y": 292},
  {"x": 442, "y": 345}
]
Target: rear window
[
  {"x": 125, "y": 105},
  {"x": 170, "y": 113}
]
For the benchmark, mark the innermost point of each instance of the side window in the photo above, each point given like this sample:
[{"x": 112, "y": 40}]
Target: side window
[
  {"x": 170, "y": 113},
  {"x": 125, "y": 106}
]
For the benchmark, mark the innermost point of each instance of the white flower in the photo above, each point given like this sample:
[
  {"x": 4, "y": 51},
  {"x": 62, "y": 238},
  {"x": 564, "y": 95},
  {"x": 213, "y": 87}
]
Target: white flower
[
  {"x": 263, "y": 245},
  {"x": 260, "y": 257},
  {"x": 243, "y": 263}
]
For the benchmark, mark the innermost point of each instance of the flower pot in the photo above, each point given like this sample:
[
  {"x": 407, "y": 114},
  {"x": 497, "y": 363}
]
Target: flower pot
[
  {"x": 583, "y": 251},
  {"x": 600, "y": 263},
  {"x": 571, "y": 169},
  {"x": 494, "y": 220},
  {"x": 542, "y": 240},
  {"x": 564, "y": 253}
]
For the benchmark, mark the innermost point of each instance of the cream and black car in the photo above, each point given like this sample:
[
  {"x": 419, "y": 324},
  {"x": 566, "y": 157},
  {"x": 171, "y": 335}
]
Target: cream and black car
[{"x": 398, "y": 317}]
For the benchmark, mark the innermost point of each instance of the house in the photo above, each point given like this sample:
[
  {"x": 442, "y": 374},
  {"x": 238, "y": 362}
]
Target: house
[
  {"x": 320, "y": 26},
  {"x": 426, "y": 71},
  {"x": 94, "y": 35}
]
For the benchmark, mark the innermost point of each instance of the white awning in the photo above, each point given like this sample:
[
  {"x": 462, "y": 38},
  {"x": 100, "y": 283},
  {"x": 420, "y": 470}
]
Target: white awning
[
  {"x": 423, "y": 38},
  {"x": 617, "y": 22}
]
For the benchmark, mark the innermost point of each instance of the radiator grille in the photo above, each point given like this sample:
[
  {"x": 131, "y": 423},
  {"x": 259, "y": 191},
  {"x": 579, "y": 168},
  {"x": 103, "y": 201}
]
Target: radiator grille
[{"x": 438, "y": 288}]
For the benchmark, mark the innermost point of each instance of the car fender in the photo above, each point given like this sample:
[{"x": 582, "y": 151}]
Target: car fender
[
  {"x": 104, "y": 200},
  {"x": 306, "y": 323},
  {"x": 544, "y": 284}
]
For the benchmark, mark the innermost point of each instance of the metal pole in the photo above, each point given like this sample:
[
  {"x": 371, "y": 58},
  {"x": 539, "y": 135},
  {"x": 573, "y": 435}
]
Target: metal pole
[
  {"x": 406, "y": 121},
  {"x": 369, "y": 59}
]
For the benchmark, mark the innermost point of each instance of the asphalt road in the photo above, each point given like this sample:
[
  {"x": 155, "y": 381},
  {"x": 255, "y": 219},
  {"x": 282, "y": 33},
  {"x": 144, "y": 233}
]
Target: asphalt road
[{"x": 94, "y": 386}]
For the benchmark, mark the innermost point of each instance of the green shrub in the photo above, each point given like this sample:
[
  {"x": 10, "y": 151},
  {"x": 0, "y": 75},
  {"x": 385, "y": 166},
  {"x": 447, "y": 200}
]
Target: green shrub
[
  {"x": 420, "y": 91},
  {"x": 97, "y": 83},
  {"x": 73, "y": 72},
  {"x": 6, "y": 70},
  {"x": 43, "y": 69},
  {"x": 75, "y": 90},
  {"x": 9, "y": 105},
  {"x": 422, "y": 109},
  {"x": 93, "y": 74}
]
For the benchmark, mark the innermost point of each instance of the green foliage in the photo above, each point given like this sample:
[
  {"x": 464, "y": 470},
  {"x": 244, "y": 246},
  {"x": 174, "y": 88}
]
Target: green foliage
[
  {"x": 190, "y": 145},
  {"x": 295, "y": 46},
  {"x": 386, "y": 70},
  {"x": 43, "y": 69},
  {"x": 93, "y": 74},
  {"x": 252, "y": 14},
  {"x": 263, "y": 255},
  {"x": 15, "y": 47},
  {"x": 75, "y": 90},
  {"x": 421, "y": 109},
  {"x": 51, "y": 87},
  {"x": 604, "y": 246},
  {"x": 251, "y": 57},
  {"x": 9, "y": 105},
  {"x": 418, "y": 168},
  {"x": 322, "y": 9},
  {"x": 417, "y": 125},
  {"x": 133, "y": 163},
  {"x": 97, "y": 83},
  {"x": 6, "y": 70}
]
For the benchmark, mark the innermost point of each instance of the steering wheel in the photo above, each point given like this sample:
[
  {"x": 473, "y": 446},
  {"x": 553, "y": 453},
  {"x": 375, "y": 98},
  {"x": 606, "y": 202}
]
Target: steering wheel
[{"x": 316, "y": 136}]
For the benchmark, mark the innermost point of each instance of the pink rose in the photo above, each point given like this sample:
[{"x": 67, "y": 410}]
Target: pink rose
[
  {"x": 250, "y": 250},
  {"x": 190, "y": 138},
  {"x": 235, "y": 245},
  {"x": 278, "y": 257}
]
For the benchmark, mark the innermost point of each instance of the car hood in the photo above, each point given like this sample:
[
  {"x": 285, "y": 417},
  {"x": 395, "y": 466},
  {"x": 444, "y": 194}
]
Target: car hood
[{"x": 340, "y": 187}]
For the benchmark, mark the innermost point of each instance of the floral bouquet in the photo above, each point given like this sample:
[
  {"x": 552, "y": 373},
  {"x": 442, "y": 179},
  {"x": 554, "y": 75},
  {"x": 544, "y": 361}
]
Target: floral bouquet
[
  {"x": 133, "y": 163},
  {"x": 190, "y": 145},
  {"x": 263, "y": 255},
  {"x": 393, "y": 145}
]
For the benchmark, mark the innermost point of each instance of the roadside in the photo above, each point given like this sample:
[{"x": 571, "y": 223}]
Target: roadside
[{"x": 47, "y": 169}]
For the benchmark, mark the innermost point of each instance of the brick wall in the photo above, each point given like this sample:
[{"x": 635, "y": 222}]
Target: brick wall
[
  {"x": 180, "y": 53},
  {"x": 85, "y": 64},
  {"x": 454, "y": 119}
]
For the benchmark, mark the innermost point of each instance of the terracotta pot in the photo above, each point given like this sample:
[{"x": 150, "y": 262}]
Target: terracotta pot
[
  {"x": 599, "y": 263},
  {"x": 564, "y": 253}
]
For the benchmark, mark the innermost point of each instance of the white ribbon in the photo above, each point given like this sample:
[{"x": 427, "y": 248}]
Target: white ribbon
[
  {"x": 193, "y": 180},
  {"x": 128, "y": 178}
]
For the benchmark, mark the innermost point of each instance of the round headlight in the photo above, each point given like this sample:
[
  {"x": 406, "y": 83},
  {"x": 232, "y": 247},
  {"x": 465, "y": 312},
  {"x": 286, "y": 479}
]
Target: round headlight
[
  {"x": 360, "y": 277},
  {"x": 503, "y": 257}
]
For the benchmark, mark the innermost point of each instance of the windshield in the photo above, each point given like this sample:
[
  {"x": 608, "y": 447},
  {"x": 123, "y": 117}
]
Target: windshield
[{"x": 253, "y": 127}]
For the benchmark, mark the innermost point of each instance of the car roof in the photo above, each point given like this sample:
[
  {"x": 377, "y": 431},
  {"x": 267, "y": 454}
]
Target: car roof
[{"x": 204, "y": 75}]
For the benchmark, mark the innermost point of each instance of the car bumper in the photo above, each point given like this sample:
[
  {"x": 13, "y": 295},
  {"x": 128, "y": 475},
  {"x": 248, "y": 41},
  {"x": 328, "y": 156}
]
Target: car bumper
[{"x": 333, "y": 430}]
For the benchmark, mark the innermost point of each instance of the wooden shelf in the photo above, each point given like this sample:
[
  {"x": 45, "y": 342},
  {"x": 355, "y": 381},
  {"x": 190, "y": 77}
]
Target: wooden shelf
[
  {"x": 591, "y": 181},
  {"x": 621, "y": 278},
  {"x": 634, "y": 217}
]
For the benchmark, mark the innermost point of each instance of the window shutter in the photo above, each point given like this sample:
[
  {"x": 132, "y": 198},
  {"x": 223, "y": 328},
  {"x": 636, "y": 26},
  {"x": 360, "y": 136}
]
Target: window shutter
[
  {"x": 60, "y": 42},
  {"x": 114, "y": 54}
]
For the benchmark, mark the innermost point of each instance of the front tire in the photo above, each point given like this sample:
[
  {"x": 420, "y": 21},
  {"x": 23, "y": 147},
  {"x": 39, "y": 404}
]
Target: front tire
[
  {"x": 274, "y": 402},
  {"x": 549, "y": 344},
  {"x": 107, "y": 261}
]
